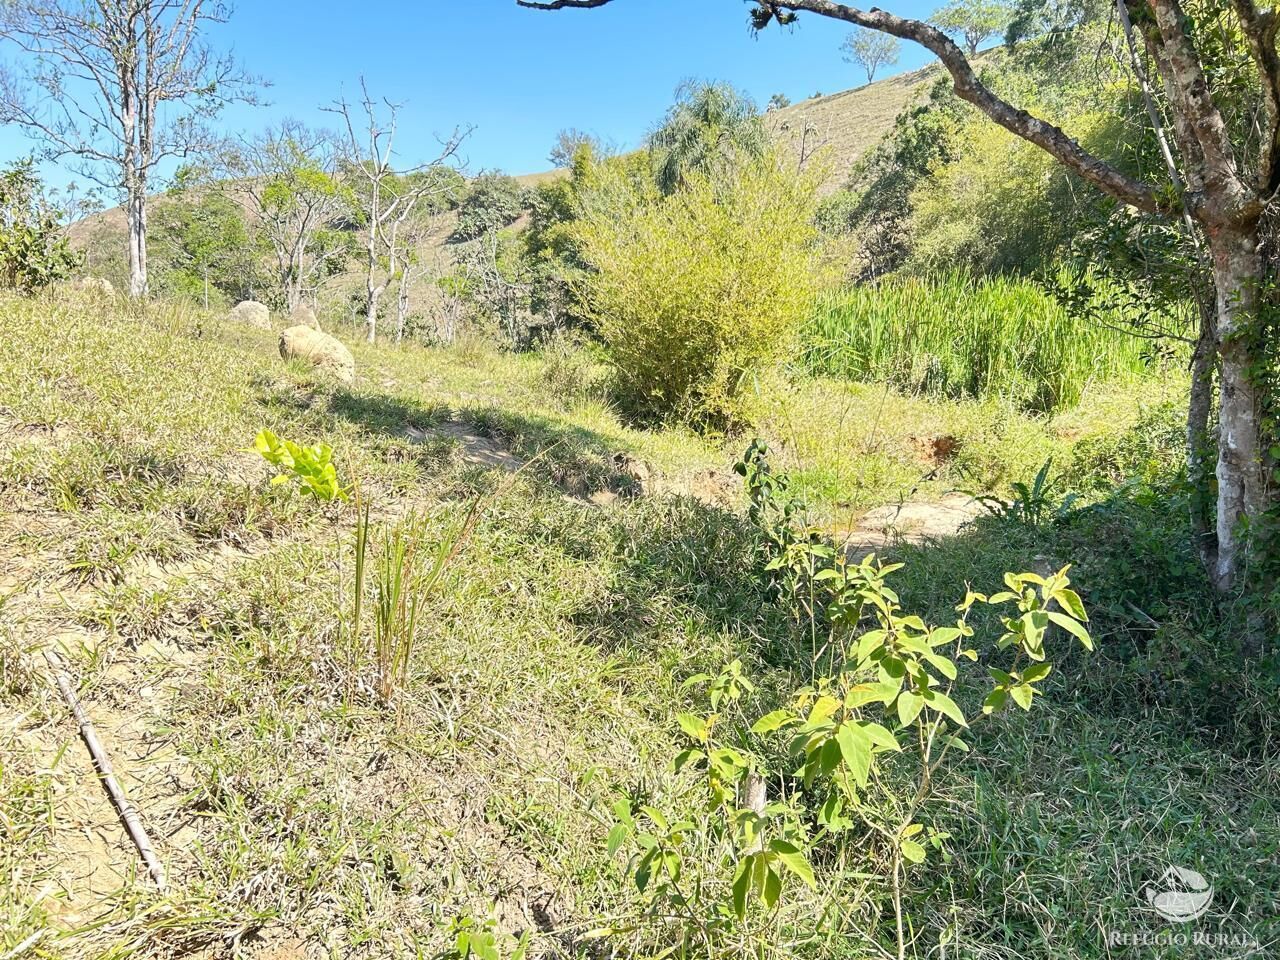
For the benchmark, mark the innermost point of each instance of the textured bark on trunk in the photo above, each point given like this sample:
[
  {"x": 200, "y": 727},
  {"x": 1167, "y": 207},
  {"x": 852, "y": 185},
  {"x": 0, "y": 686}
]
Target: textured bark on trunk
[
  {"x": 1242, "y": 487},
  {"x": 402, "y": 308},
  {"x": 136, "y": 214}
]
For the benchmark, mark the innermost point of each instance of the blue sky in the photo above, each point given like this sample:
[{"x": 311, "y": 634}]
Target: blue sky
[{"x": 518, "y": 75}]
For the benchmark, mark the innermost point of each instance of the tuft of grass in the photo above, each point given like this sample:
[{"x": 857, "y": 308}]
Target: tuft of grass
[{"x": 954, "y": 336}]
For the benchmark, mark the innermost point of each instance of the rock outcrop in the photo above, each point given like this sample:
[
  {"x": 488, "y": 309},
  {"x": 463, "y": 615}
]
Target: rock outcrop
[
  {"x": 252, "y": 313},
  {"x": 324, "y": 352}
]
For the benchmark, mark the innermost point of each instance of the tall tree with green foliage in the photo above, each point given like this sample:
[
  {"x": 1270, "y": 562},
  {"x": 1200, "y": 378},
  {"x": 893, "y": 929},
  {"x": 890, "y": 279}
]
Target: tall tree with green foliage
[
  {"x": 974, "y": 21},
  {"x": 118, "y": 87},
  {"x": 288, "y": 177},
  {"x": 1228, "y": 139},
  {"x": 203, "y": 246},
  {"x": 870, "y": 51}
]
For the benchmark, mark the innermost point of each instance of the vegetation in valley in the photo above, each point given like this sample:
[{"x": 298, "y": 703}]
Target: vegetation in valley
[{"x": 738, "y": 546}]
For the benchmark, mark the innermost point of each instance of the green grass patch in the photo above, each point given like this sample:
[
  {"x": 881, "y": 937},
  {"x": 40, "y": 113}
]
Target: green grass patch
[{"x": 954, "y": 336}]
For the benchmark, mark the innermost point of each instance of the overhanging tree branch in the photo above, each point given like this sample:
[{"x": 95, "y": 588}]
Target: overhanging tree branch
[
  {"x": 1260, "y": 31},
  {"x": 968, "y": 87}
]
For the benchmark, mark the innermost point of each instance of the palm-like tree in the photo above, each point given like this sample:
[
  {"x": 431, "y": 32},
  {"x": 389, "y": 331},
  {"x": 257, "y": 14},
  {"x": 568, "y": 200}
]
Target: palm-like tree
[{"x": 711, "y": 127}]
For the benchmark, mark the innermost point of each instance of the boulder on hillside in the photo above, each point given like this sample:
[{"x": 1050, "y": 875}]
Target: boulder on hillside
[
  {"x": 253, "y": 313},
  {"x": 304, "y": 316},
  {"x": 325, "y": 353}
]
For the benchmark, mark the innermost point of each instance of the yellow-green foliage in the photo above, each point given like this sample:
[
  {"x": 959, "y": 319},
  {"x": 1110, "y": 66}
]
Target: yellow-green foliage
[
  {"x": 950, "y": 335},
  {"x": 696, "y": 293},
  {"x": 1002, "y": 204}
]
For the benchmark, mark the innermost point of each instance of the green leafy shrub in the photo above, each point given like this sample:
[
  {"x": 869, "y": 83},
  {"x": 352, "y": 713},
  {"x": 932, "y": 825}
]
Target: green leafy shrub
[
  {"x": 33, "y": 251},
  {"x": 858, "y": 750},
  {"x": 493, "y": 202},
  {"x": 1151, "y": 452},
  {"x": 696, "y": 293},
  {"x": 311, "y": 467}
]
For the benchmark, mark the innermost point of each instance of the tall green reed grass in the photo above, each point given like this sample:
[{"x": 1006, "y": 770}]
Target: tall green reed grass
[{"x": 957, "y": 336}]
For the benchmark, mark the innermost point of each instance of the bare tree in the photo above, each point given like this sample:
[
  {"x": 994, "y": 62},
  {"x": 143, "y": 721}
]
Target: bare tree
[
  {"x": 387, "y": 198},
  {"x": 1226, "y": 189},
  {"x": 570, "y": 141},
  {"x": 288, "y": 176},
  {"x": 416, "y": 264},
  {"x": 118, "y": 85}
]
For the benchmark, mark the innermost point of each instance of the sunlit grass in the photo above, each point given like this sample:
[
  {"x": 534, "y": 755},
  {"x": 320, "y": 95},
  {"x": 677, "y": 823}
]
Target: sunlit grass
[{"x": 953, "y": 336}]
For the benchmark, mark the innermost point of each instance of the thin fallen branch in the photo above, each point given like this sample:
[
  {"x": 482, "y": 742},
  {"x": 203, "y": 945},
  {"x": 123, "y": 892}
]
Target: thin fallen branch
[{"x": 132, "y": 823}]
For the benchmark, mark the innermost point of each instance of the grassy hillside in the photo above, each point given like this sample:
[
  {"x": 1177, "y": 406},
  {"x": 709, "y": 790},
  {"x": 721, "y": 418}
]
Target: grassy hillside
[
  {"x": 849, "y": 123},
  {"x": 204, "y": 616},
  {"x": 842, "y": 126}
]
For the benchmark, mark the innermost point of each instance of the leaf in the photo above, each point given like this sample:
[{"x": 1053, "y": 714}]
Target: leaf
[
  {"x": 822, "y": 709},
  {"x": 1074, "y": 628},
  {"x": 942, "y": 635},
  {"x": 772, "y": 889},
  {"x": 1036, "y": 672},
  {"x": 881, "y": 737},
  {"x": 742, "y": 886},
  {"x": 773, "y": 721},
  {"x": 855, "y": 748},
  {"x": 655, "y": 816},
  {"x": 1070, "y": 601},
  {"x": 694, "y": 726},
  {"x": 644, "y": 872},
  {"x": 793, "y": 858},
  {"x": 909, "y": 707},
  {"x": 871, "y": 641},
  {"x": 685, "y": 757},
  {"x": 617, "y": 837},
  {"x": 946, "y": 706},
  {"x": 861, "y": 694},
  {"x": 995, "y": 700},
  {"x": 912, "y": 852},
  {"x": 1022, "y": 695},
  {"x": 944, "y": 666}
]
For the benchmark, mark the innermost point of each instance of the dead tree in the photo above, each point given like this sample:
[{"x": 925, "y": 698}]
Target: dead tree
[
  {"x": 387, "y": 198},
  {"x": 118, "y": 86}
]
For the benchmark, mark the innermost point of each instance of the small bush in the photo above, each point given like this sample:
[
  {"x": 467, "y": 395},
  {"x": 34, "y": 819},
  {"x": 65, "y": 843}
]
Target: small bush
[
  {"x": 494, "y": 201},
  {"x": 696, "y": 293}
]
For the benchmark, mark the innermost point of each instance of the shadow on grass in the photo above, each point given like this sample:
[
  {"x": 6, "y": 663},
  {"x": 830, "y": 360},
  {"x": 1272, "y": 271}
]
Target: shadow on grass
[{"x": 388, "y": 415}]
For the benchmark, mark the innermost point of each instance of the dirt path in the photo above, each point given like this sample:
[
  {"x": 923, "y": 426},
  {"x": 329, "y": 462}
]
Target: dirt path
[{"x": 913, "y": 521}]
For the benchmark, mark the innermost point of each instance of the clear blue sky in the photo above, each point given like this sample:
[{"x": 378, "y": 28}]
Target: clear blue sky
[{"x": 519, "y": 75}]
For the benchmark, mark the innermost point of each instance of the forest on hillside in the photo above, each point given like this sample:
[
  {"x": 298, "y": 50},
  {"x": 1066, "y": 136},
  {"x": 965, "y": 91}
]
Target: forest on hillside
[{"x": 842, "y": 528}]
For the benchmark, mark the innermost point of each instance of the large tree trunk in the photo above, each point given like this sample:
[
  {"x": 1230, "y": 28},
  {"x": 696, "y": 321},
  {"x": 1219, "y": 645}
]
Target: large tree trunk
[{"x": 1242, "y": 487}]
